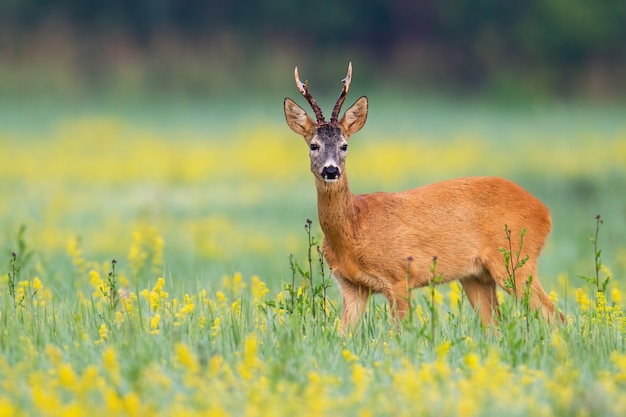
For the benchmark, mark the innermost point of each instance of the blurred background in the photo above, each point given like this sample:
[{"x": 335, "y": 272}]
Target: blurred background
[
  {"x": 130, "y": 120},
  {"x": 197, "y": 48}
]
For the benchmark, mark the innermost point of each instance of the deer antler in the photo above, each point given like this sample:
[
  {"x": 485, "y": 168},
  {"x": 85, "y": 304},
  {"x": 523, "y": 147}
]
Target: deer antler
[
  {"x": 346, "y": 85},
  {"x": 304, "y": 90}
]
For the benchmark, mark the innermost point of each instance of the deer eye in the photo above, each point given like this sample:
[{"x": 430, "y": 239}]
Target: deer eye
[
  {"x": 314, "y": 146},
  {"x": 344, "y": 147}
]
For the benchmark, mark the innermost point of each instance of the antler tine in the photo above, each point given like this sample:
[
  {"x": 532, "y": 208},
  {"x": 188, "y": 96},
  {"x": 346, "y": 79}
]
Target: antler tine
[
  {"x": 304, "y": 90},
  {"x": 344, "y": 91}
]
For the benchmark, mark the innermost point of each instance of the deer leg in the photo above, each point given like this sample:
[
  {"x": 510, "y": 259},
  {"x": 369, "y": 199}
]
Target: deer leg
[
  {"x": 354, "y": 302},
  {"x": 538, "y": 298},
  {"x": 399, "y": 302},
  {"x": 541, "y": 301},
  {"x": 481, "y": 292}
]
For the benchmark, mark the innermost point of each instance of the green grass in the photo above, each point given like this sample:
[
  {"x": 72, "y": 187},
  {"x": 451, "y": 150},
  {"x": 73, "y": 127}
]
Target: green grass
[{"x": 195, "y": 192}]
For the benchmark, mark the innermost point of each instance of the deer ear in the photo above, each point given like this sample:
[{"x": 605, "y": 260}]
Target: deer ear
[
  {"x": 297, "y": 119},
  {"x": 354, "y": 118}
]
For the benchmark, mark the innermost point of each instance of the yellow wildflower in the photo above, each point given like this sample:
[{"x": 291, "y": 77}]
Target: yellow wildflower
[
  {"x": 235, "y": 284},
  {"x": 123, "y": 280},
  {"x": 158, "y": 286},
  {"x": 37, "y": 285},
  {"x": 189, "y": 305},
  {"x": 437, "y": 298},
  {"x": 132, "y": 404},
  {"x": 114, "y": 404},
  {"x": 111, "y": 365},
  {"x": 185, "y": 358},
  {"x": 553, "y": 297},
  {"x": 420, "y": 313},
  {"x": 582, "y": 300},
  {"x": 215, "y": 329},
  {"x": 157, "y": 251},
  {"x": 236, "y": 307},
  {"x": 455, "y": 295},
  {"x": 45, "y": 399},
  {"x": 250, "y": 362},
  {"x": 103, "y": 332},
  {"x": 130, "y": 301},
  {"x": 6, "y": 408},
  {"x": 616, "y": 296},
  {"x": 136, "y": 255},
  {"x": 97, "y": 283},
  {"x": 348, "y": 356},
  {"x": 154, "y": 301},
  {"x": 154, "y": 323},
  {"x": 73, "y": 249},
  {"x": 602, "y": 305},
  {"x": 90, "y": 380},
  {"x": 21, "y": 291},
  {"x": 360, "y": 378},
  {"x": 443, "y": 349},
  {"x": 259, "y": 289},
  {"x": 472, "y": 361},
  {"x": 119, "y": 318},
  {"x": 67, "y": 376},
  {"x": 215, "y": 365}
]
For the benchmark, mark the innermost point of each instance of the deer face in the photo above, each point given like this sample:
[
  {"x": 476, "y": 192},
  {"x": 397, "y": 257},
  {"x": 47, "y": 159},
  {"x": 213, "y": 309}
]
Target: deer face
[
  {"x": 327, "y": 150},
  {"x": 328, "y": 142}
]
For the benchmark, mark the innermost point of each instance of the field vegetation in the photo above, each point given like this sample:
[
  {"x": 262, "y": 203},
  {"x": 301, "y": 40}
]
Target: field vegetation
[{"x": 155, "y": 261}]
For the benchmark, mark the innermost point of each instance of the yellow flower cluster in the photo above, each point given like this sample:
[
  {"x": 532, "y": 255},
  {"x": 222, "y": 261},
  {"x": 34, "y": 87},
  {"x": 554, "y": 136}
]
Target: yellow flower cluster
[
  {"x": 197, "y": 381},
  {"x": 92, "y": 343},
  {"x": 147, "y": 247}
]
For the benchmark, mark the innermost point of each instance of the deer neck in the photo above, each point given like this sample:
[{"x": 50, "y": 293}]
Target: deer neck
[{"x": 336, "y": 207}]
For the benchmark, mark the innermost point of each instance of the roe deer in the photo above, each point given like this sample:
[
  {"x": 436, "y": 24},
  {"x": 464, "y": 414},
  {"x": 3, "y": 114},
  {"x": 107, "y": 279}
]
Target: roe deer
[{"x": 369, "y": 239}]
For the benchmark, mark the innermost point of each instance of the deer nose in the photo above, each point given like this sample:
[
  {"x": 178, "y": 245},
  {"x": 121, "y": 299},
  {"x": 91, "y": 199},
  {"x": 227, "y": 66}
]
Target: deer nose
[{"x": 330, "y": 173}]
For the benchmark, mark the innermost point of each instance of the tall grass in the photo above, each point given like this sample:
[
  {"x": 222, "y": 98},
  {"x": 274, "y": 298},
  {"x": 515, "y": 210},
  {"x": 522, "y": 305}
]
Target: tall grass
[
  {"x": 120, "y": 292},
  {"x": 117, "y": 347}
]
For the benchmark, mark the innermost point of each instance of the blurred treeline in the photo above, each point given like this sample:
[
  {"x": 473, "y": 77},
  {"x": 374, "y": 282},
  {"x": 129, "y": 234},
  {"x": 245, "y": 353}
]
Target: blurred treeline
[{"x": 551, "y": 47}]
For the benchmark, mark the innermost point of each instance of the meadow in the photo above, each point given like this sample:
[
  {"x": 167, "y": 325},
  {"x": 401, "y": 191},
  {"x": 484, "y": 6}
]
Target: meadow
[{"x": 154, "y": 261}]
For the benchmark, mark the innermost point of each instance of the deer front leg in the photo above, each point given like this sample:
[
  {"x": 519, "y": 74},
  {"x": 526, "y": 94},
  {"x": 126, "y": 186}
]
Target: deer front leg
[
  {"x": 354, "y": 302},
  {"x": 399, "y": 301}
]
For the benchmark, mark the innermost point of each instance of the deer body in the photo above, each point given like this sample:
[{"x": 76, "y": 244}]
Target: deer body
[{"x": 386, "y": 242}]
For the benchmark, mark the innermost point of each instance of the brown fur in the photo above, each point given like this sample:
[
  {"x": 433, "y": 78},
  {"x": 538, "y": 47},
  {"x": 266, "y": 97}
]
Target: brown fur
[{"x": 368, "y": 239}]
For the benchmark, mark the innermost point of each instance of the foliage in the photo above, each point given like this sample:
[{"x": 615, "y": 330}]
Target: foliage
[
  {"x": 169, "y": 327},
  {"x": 551, "y": 45},
  {"x": 241, "y": 350}
]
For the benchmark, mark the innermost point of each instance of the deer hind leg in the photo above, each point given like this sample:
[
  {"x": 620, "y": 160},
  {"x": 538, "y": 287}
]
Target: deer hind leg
[
  {"x": 481, "y": 292},
  {"x": 541, "y": 301},
  {"x": 354, "y": 299},
  {"x": 538, "y": 298}
]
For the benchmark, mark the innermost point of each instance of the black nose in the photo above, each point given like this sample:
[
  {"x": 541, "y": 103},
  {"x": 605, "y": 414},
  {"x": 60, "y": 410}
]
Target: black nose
[{"x": 330, "y": 172}]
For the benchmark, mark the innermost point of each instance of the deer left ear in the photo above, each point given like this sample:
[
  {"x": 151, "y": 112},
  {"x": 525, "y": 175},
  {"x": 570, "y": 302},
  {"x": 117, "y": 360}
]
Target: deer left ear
[{"x": 354, "y": 118}]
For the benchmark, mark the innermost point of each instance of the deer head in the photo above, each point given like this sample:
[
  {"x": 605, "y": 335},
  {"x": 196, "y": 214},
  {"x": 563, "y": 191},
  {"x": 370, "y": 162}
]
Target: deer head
[{"x": 328, "y": 141}]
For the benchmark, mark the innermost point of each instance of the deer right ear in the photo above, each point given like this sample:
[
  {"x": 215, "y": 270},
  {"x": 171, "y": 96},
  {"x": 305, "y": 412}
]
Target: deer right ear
[
  {"x": 297, "y": 119},
  {"x": 354, "y": 118}
]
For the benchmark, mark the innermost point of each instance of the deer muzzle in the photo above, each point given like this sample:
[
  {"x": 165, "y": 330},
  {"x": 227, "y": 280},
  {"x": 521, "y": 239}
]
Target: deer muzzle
[{"x": 330, "y": 173}]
